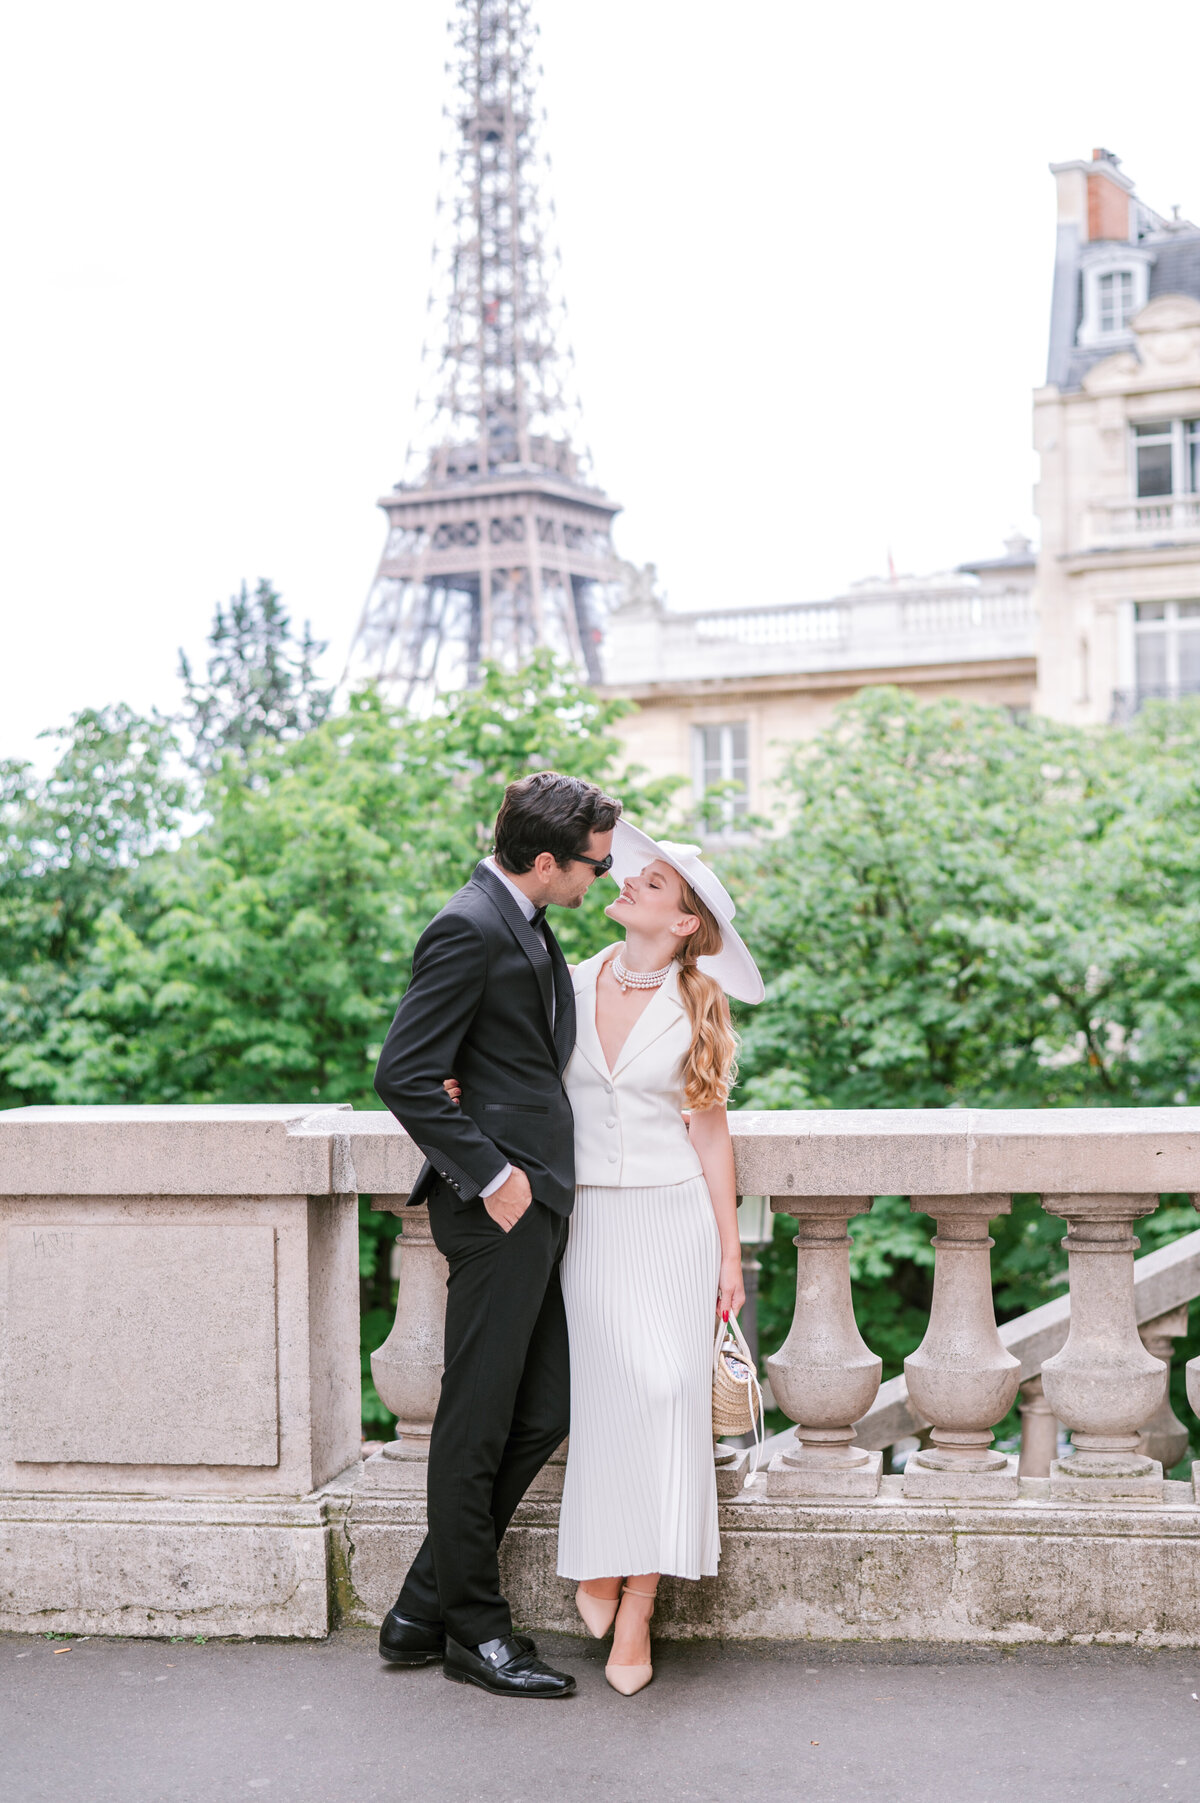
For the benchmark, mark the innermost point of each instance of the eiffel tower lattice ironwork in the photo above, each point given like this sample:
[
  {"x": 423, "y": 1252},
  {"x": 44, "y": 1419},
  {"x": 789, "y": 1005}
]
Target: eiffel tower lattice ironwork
[{"x": 498, "y": 542}]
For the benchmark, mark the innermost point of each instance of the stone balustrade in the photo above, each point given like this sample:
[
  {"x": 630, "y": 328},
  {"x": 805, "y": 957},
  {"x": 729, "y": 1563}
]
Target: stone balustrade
[{"x": 179, "y": 1372}]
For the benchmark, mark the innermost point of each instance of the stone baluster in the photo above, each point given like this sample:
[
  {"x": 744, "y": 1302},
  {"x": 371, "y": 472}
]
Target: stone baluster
[
  {"x": 824, "y": 1376},
  {"x": 1192, "y": 1376},
  {"x": 1039, "y": 1431},
  {"x": 407, "y": 1368},
  {"x": 962, "y": 1377},
  {"x": 1103, "y": 1384},
  {"x": 1163, "y": 1436}
]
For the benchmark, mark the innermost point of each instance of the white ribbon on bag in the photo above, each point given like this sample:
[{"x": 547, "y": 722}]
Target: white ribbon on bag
[{"x": 740, "y": 1354}]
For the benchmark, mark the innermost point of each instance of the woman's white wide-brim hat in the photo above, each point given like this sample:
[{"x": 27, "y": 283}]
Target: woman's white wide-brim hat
[{"x": 733, "y": 967}]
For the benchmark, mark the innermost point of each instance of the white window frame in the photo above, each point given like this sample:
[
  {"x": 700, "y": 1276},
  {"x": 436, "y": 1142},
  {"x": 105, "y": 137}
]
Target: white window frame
[
  {"x": 733, "y": 807},
  {"x": 1114, "y": 290},
  {"x": 1183, "y": 434},
  {"x": 1171, "y": 626}
]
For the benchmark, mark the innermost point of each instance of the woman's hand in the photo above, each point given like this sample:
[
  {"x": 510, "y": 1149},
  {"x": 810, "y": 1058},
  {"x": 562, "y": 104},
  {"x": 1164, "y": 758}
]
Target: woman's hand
[
  {"x": 731, "y": 1294},
  {"x": 453, "y": 1089}
]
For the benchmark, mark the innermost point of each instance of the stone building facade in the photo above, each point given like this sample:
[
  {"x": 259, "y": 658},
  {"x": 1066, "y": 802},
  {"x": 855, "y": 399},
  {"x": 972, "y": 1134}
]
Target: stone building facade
[
  {"x": 1105, "y": 616},
  {"x": 721, "y": 696},
  {"x": 1117, "y": 427}
]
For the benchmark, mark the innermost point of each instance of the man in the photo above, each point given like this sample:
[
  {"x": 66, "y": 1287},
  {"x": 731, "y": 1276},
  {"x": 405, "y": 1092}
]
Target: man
[{"x": 491, "y": 1003}]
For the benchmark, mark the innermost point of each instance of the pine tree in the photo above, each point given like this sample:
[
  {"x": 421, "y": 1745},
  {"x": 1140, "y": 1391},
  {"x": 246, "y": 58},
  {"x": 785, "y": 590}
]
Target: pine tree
[{"x": 261, "y": 680}]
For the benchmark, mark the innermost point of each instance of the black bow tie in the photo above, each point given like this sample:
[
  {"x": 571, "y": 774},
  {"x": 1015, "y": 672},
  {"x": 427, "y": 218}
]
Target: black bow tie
[{"x": 537, "y": 917}]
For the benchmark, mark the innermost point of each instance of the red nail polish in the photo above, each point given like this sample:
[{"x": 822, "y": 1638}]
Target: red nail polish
[{"x": 725, "y": 1316}]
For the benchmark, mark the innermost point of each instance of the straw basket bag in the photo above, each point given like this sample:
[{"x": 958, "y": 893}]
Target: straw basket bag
[{"x": 737, "y": 1402}]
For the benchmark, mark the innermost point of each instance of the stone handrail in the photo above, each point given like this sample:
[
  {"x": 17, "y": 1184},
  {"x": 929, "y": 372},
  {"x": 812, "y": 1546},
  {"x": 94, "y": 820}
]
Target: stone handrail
[{"x": 1099, "y": 1169}]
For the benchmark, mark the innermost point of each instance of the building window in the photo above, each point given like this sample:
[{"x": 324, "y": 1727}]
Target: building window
[
  {"x": 1116, "y": 286},
  {"x": 1167, "y": 458},
  {"x": 722, "y": 755},
  {"x": 1116, "y": 300},
  {"x": 1166, "y": 642}
]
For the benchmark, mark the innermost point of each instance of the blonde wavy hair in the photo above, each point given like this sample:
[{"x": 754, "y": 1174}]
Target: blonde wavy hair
[{"x": 710, "y": 1068}]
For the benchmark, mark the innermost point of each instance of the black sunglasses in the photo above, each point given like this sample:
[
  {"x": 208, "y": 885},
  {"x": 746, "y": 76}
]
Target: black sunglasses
[{"x": 601, "y": 866}]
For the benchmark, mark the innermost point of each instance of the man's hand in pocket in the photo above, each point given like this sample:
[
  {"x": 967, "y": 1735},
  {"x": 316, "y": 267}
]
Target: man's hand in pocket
[{"x": 507, "y": 1204}]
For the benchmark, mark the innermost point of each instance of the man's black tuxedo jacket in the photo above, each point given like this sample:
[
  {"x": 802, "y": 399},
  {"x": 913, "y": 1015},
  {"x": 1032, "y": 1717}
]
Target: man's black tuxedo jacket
[{"x": 478, "y": 1008}]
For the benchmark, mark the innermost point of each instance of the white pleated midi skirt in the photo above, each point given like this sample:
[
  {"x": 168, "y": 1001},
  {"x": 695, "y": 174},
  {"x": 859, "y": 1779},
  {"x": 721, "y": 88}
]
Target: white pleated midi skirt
[{"x": 639, "y": 1279}]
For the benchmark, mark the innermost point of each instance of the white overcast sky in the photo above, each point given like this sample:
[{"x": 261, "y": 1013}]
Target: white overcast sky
[{"x": 807, "y": 257}]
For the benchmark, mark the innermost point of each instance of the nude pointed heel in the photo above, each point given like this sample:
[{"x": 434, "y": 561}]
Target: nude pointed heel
[
  {"x": 598, "y": 1612},
  {"x": 629, "y": 1679}
]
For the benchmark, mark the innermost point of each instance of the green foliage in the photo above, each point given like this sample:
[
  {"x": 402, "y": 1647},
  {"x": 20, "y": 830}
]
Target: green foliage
[
  {"x": 265, "y": 955},
  {"x": 70, "y": 844}
]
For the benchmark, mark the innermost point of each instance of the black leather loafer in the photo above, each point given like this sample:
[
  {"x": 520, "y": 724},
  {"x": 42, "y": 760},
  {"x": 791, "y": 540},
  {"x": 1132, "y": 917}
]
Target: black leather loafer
[
  {"x": 408, "y": 1642},
  {"x": 509, "y": 1667}
]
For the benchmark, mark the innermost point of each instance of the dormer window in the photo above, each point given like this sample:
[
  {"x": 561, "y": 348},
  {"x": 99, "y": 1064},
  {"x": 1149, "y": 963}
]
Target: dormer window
[
  {"x": 1116, "y": 285},
  {"x": 1116, "y": 299}
]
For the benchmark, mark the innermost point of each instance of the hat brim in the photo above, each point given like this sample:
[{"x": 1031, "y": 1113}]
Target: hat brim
[{"x": 733, "y": 967}]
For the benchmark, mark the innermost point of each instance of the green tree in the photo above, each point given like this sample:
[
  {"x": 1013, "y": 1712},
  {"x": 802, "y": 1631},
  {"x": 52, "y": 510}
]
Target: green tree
[
  {"x": 71, "y": 845},
  {"x": 260, "y": 681},
  {"x": 967, "y": 910}
]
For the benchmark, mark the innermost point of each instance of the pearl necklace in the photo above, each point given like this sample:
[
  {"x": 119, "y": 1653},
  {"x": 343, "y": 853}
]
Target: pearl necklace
[{"x": 639, "y": 979}]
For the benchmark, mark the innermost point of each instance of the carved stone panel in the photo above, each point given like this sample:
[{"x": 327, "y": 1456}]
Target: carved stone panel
[{"x": 143, "y": 1345}]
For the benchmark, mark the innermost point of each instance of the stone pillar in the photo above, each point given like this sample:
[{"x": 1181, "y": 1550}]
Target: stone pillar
[
  {"x": 1103, "y": 1384},
  {"x": 962, "y": 1378},
  {"x": 1163, "y": 1436},
  {"x": 824, "y": 1376},
  {"x": 755, "y": 1224},
  {"x": 1039, "y": 1431},
  {"x": 407, "y": 1368}
]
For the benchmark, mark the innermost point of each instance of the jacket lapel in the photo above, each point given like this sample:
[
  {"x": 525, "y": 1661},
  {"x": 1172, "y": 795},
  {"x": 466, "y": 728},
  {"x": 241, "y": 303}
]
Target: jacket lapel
[
  {"x": 531, "y": 943},
  {"x": 564, "y": 1001},
  {"x": 662, "y": 1012}
]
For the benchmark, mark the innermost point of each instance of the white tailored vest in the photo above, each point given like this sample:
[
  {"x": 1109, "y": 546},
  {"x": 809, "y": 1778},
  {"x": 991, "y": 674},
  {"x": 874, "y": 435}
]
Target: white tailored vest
[{"x": 629, "y": 1133}]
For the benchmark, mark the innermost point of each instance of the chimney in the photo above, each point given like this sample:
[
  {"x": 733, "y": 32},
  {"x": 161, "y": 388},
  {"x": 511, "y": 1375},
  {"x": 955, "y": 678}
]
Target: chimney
[{"x": 1107, "y": 198}]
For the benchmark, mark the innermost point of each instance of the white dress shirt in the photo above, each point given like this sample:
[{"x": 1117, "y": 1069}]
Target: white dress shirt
[{"x": 528, "y": 909}]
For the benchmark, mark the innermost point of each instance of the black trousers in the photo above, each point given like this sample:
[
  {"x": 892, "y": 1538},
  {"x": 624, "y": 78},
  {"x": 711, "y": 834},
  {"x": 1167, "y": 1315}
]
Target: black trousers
[{"x": 504, "y": 1407}]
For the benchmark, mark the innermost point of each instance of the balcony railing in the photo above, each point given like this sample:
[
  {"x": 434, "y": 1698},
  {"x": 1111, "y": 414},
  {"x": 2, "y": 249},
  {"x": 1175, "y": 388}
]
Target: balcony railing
[
  {"x": 802, "y": 624},
  {"x": 1166, "y": 519},
  {"x": 877, "y": 626}
]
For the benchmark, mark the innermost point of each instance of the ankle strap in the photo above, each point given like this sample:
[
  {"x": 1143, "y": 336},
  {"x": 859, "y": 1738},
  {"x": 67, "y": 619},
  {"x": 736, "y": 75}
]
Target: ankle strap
[{"x": 652, "y": 1594}]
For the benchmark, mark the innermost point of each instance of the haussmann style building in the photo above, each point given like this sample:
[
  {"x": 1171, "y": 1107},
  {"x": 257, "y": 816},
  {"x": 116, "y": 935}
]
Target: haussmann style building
[
  {"x": 1117, "y": 427},
  {"x": 1103, "y": 617}
]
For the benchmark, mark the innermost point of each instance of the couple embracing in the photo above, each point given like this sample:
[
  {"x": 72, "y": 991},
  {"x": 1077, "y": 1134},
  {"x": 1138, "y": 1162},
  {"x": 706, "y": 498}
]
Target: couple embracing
[{"x": 590, "y": 1229}]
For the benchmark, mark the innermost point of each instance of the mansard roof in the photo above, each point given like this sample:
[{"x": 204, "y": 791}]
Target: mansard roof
[
  {"x": 1175, "y": 270},
  {"x": 1176, "y": 266}
]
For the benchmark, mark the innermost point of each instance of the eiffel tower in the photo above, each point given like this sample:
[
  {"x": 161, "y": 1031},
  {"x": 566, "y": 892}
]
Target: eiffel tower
[{"x": 498, "y": 542}]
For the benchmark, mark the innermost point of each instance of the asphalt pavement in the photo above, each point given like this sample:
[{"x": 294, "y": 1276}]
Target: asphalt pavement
[{"x": 140, "y": 1721}]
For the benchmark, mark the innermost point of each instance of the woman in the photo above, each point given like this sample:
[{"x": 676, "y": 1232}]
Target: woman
[{"x": 654, "y": 1241}]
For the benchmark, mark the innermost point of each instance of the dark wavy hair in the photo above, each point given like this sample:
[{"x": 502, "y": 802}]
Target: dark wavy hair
[{"x": 549, "y": 812}]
